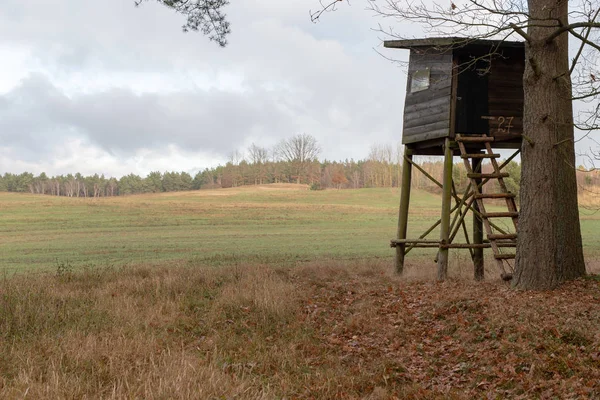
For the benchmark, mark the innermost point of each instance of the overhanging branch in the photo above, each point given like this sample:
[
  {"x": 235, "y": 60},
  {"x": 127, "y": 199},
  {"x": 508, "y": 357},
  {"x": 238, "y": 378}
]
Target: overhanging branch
[
  {"x": 314, "y": 16},
  {"x": 521, "y": 32},
  {"x": 570, "y": 27},
  {"x": 587, "y": 35},
  {"x": 584, "y": 40}
]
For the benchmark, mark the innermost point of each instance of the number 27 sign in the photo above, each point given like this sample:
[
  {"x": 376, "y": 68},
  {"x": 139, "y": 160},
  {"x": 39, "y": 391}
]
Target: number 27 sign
[{"x": 504, "y": 124}]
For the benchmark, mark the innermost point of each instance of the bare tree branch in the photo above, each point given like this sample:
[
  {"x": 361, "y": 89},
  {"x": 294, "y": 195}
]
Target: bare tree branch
[
  {"x": 521, "y": 32},
  {"x": 325, "y": 7},
  {"x": 584, "y": 40},
  {"x": 582, "y": 45},
  {"x": 569, "y": 28}
]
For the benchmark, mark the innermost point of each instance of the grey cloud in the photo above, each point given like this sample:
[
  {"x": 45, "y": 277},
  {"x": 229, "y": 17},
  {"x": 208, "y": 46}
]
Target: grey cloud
[
  {"x": 120, "y": 121},
  {"x": 28, "y": 116},
  {"x": 215, "y": 120}
]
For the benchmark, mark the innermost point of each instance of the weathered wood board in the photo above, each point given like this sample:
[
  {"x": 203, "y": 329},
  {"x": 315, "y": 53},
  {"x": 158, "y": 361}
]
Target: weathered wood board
[{"x": 471, "y": 88}]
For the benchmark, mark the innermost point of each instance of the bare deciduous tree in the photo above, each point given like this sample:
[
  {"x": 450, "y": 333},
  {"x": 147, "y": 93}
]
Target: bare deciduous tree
[
  {"x": 258, "y": 156},
  {"x": 236, "y": 157},
  {"x": 299, "y": 151},
  {"x": 383, "y": 156}
]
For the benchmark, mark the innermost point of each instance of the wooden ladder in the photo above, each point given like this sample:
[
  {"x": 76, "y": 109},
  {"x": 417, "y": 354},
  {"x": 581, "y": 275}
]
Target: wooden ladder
[{"x": 498, "y": 238}]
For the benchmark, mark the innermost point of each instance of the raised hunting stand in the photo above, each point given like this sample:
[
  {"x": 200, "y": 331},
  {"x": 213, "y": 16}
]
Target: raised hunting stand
[{"x": 464, "y": 98}]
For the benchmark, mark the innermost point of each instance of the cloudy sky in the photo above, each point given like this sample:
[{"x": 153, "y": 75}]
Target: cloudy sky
[{"x": 102, "y": 86}]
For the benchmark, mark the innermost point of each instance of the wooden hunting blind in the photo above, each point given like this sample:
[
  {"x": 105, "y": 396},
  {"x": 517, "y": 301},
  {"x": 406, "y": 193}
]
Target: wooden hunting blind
[
  {"x": 462, "y": 86},
  {"x": 464, "y": 97}
]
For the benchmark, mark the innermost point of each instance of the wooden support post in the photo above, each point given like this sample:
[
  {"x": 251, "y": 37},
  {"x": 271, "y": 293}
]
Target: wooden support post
[
  {"x": 477, "y": 229},
  {"x": 446, "y": 203},
  {"x": 403, "y": 212}
]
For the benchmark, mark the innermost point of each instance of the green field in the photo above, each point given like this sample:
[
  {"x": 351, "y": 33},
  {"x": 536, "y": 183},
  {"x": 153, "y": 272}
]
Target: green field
[{"x": 269, "y": 224}]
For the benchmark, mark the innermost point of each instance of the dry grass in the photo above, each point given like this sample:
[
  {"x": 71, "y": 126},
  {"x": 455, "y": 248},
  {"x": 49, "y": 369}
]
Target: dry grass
[
  {"x": 589, "y": 199},
  {"x": 317, "y": 330},
  {"x": 233, "y": 191},
  {"x": 145, "y": 333}
]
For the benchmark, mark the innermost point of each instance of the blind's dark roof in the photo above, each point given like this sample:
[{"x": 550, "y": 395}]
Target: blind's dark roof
[{"x": 449, "y": 42}]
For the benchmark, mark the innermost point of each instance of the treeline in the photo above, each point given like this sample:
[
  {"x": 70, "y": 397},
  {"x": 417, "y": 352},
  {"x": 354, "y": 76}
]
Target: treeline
[
  {"x": 96, "y": 185},
  {"x": 319, "y": 175},
  {"x": 293, "y": 160}
]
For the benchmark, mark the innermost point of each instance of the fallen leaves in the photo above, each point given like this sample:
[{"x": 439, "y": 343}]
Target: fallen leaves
[{"x": 462, "y": 339}]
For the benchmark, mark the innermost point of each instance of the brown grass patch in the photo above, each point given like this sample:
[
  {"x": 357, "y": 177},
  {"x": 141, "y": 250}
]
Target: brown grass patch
[
  {"x": 589, "y": 199},
  {"x": 317, "y": 330},
  {"x": 243, "y": 189}
]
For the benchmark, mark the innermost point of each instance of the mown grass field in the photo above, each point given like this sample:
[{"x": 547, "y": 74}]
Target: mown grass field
[
  {"x": 274, "y": 224},
  {"x": 282, "y": 224},
  {"x": 272, "y": 293}
]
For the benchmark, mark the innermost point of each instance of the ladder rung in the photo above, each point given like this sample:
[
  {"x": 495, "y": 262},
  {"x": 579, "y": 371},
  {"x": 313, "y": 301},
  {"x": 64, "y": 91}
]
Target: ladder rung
[
  {"x": 506, "y": 244},
  {"x": 473, "y": 139},
  {"x": 496, "y": 236},
  {"x": 480, "y": 155},
  {"x": 504, "y": 256},
  {"x": 483, "y": 176},
  {"x": 511, "y": 214},
  {"x": 494, "y": 195}
]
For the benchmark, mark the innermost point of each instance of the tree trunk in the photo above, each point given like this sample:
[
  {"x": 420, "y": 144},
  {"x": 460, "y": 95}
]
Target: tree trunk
[{"x": 549, "y": 249}]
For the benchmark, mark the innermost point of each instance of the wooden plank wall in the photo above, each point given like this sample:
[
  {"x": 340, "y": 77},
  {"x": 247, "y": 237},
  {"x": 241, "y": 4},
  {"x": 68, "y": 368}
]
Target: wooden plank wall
[
  {"x": 427, "y": 113},
  {"x": 505, "y": 94}
]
